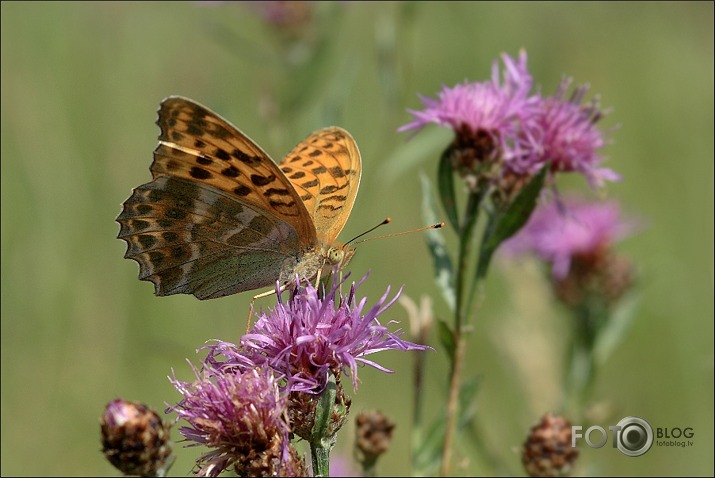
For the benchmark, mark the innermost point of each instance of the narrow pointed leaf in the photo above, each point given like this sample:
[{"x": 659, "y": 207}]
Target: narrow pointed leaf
[
  {"x": 446, "y": 338},
  {"x": 427, "y": 455},
  {"x": 445, "y": 183},
  {"x": 467, "y": 400},
  {"x": 505, "y": 223},
  {"x": 443, "y": 269}
]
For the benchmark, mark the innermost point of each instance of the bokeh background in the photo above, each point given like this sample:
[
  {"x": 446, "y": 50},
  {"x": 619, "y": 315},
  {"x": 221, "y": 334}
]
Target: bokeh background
[{"x": 80, "y": 86}]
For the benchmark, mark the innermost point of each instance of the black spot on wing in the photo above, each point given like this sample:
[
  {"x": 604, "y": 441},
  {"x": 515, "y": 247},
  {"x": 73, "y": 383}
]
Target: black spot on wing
[
  {"x": 147, "y": 241},
  {"x": 199, "y": 173},
  {"x": 242, "y": 190},
  {"x": 222, "y": 154},
  {"x": 246, "y": 158},
  {"x": 194, "y": 130},
  {"x": 310, "y": 184},
  {"x": 259, "y": 180},
  {"x": 156, "y": 258},
  {"x": 231, "y": 172},
  {"x": 276, "y": 192},
  {"x": 140, "y": 225},
  {"x": 144, "y": 209}
]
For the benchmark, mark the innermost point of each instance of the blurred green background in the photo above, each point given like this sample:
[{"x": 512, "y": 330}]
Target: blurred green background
[{"x": 81, "y": 83}]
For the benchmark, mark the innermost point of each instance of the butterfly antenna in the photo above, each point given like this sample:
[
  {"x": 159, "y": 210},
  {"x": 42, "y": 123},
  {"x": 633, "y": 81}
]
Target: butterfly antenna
[
  {"x": 387, "y": 220},
  {"x": 433, "y": 226}
]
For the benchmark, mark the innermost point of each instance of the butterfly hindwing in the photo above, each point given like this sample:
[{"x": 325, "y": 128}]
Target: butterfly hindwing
[{"x": 325, "y": 170}]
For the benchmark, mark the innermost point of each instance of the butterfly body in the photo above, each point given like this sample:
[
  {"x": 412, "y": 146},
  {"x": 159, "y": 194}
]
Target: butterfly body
[{"x": 220, "y": 217}]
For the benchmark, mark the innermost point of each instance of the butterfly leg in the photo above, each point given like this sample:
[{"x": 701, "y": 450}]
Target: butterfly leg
[
  {"x": 317, "y": 278},
  {"x": 260, "y": 296}
]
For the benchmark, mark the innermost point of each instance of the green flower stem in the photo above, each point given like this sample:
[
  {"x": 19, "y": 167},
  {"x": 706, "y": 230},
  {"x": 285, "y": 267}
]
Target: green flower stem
[
  {"x": 588, "y": 319},
  {"x": 418, "y": 394},
  {"x": 320, "y": 455},
  {"x": 471, "y": 214},
  {"x": 369, "y": 468},
  {"x": 321, "y": 442}
]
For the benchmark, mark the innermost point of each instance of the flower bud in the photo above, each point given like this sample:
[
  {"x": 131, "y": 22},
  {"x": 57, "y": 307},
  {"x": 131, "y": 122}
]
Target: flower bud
[
  {"x": 374, "y": 434},
  {"x": 547, "y": 450},
  {"x": 134, "y": 439}
]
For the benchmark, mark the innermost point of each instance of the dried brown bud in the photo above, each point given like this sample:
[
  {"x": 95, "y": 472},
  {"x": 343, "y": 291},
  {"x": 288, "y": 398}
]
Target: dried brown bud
[
  {"x": 134, "y": 438},
  {"x": 374, "y": 434},
  {"x": 600, "y": 273},
  {"x": 547, "y": 450}
]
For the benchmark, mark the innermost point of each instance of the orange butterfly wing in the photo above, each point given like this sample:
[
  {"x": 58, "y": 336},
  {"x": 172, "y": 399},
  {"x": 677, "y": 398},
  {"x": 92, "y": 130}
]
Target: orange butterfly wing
[
  {"x": 325, "y": 169},
  {"x": 197, "y": 144}
]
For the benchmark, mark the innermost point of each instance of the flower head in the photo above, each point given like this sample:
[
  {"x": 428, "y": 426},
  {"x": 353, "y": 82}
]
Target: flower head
[
  {"x": 486, "y": 116},
  {"x": 504, "y": 134},
  {"x": 560, "y": 232},
  {"x": 490, "y": 105},
  {"x": 564, "y": 132},
  {"x": 312, "y": 335},
  {"x": 240, "y": 414}
]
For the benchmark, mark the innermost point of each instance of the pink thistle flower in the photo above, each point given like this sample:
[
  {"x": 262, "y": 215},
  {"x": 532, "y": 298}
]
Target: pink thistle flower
[
  {"x": 310, "y": 336},
  {"x": 241, "y": 416},
  {"x": 560, "y": 231},
  {"x": 497, "y": 107},
  {"x": 564, "y": 132},
  {"x": 505, "y": 135}
]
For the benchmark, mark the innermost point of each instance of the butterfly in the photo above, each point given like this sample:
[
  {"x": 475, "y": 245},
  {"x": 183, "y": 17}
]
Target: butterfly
[{"x": 221, "y": 217}]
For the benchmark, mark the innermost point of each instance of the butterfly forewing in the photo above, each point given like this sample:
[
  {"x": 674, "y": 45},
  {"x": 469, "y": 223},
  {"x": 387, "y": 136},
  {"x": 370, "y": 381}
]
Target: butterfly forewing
[
  {"x": 197, "y": 144},
  {"x": 325, "y": 169}
]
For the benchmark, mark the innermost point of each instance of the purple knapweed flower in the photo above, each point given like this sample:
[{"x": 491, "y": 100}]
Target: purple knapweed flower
[
  {"x": 497, "y": 107},
  {"x": 312, "y": 335},
  {"x": 504, "y": 134},
  {"x": 241, "y": 416},
  {"x": 564, "y": 132},
  {"x": 563, "y": 230}
]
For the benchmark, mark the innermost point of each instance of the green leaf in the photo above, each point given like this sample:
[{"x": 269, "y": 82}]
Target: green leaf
[
  {"x": 467, "y": 400},
  {"x": 443, "y": 269},
  {"x": 446, "y": 338},
  {"x": 616, "y": 329},
  {"x": 506, "y": 222},
  {"x": 445, "y": 183},
  {"x": 427, "y": 455}
]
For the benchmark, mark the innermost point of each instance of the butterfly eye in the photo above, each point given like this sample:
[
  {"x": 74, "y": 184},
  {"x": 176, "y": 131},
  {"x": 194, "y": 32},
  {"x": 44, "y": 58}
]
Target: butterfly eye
[{"x": 335, "y": 256}]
